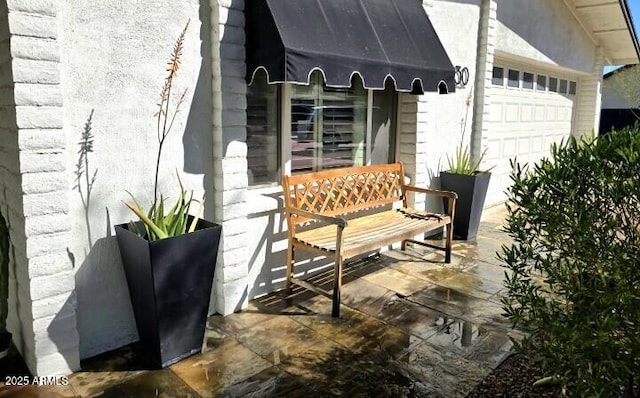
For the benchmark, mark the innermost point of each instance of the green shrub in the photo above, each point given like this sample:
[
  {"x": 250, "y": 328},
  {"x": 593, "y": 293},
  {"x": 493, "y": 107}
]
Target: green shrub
[{"x": 574, "y": 268}]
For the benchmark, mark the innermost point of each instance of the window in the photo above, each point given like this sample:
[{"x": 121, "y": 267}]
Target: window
[
  {"x": 514, "y": 78},
  {"x": 563, "y": 86},
  {"x": 553, "y": 84},
  {"x": 328, "y": 127},
  {"x": 498, "y": 76},
  {"x": 262, "y": 130},
  {"x": 527, "y": 81},
  {"x": 541, "y": 84},
  {"x": 572, "y": 88}
]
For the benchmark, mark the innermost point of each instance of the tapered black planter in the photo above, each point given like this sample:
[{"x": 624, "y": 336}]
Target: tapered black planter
[
  {"x": 170, "y": 286},
  {"x": 472, "y": 191}
]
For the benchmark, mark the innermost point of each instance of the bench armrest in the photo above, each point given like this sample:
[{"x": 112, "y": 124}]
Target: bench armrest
[
  {"x": 436, "y": 192},
  {"x": 339, "y": 221}
]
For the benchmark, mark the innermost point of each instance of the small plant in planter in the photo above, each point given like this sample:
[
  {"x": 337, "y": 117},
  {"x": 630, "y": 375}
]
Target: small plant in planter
[
  {"x": 470, "y": 183},
  {"x": 169, "y": 256}
]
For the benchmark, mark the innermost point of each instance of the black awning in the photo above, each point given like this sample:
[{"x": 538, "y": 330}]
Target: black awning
[{"x": 372, "y": 38}]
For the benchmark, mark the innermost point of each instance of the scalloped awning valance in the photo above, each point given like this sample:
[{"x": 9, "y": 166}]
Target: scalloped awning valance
[{"x": 375, "y": 39}]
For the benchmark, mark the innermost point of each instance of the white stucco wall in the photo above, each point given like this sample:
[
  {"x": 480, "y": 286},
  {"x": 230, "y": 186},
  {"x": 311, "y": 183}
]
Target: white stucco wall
[
  {"x": 544, "y": 31},
  {"x": 113, "y": 63},
  {"x": 433, "y": 125},
  {"x": 10, "y": 179},
  {"x": 43, "y": 299},
  {"x": 230, "y": 155}
]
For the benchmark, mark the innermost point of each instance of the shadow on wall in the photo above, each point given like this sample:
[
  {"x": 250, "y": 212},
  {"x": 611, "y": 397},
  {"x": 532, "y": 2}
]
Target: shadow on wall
[
  {"x": 93, "y": 278},
  {"x": 269, "y": 272},
  {"x": 197, "y": 139}
]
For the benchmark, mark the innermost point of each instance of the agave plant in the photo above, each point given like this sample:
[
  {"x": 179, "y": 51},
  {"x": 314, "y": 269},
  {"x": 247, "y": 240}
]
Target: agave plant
[
  {"x": 160, "y": 224},
  {"x": 463, "y": 164}
]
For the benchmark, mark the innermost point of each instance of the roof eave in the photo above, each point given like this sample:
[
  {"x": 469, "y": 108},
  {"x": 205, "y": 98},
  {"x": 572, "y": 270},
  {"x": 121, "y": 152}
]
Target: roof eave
[{"x": 629, "y": 19}]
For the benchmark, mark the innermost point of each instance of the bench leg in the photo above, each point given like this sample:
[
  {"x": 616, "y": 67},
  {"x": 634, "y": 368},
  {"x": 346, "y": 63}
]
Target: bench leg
[
  {"x": 447, "y": 253},
  {"x": 403, "y": 247},
  {"x": 290, "y": 261},
  {"x": 337, "y": 286}
]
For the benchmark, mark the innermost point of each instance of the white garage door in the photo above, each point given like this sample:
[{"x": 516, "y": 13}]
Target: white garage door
[{"x": 530, "y": 110}]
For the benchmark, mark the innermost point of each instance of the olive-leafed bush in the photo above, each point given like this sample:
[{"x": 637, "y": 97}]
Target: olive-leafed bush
[{"x": 573, "y": 277}]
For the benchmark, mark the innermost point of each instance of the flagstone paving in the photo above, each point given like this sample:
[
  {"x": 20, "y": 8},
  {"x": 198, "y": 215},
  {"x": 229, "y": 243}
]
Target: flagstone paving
[{"x": 411, "y": 326}]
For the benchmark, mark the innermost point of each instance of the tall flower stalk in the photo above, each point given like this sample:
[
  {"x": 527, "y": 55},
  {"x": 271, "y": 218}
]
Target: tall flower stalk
[
  {"x": 160, "y": 223},
  {"x": 164, "y": 116}
]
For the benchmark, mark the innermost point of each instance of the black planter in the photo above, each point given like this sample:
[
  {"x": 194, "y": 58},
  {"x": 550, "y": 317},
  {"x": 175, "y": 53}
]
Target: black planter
[
  {"x": 471, "y": 190},
  {"x": 170, "y": 286}
]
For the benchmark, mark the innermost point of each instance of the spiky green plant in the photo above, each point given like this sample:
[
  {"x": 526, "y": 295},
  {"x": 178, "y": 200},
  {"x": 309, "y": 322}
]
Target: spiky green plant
[
  {"x": 160, "y": 224},
  {"x": 462, "y": 162}
]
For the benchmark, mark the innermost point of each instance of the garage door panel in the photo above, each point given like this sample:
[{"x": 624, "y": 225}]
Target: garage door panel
[
  {"x": 540, "y": 117},
  {"x": 524, "y": 146},
  {"x": 523, "y": 124},
  {"x": 509, "y": 148},
  {"x": 511, "y": 113},
  {"x": 494, "y": 151},
  {"x": 526, "y": 112},
  {"x": 537, "y": 144},
  {"x": 495, "y": 113}
]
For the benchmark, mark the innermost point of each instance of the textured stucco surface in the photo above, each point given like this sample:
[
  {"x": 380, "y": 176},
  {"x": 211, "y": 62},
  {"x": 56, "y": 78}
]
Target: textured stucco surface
[
  {"x": 10, "y": 180},
  {"x": 113, "y": 64},
  {"x": 433, "y": 125},
  {"x": 544, "y": 31},
  {"x": 230, "y": 155},
  {"x": 43, "y": 296}
]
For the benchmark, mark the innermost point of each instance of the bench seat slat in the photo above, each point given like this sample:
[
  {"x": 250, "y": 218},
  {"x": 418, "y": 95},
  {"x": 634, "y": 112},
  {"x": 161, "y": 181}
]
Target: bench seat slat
[{"x": 373, "y": 231}]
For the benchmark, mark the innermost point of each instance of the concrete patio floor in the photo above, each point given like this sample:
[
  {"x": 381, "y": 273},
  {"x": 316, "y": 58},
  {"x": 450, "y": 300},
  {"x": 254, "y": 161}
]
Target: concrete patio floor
[{"x": 410, "y": 326}]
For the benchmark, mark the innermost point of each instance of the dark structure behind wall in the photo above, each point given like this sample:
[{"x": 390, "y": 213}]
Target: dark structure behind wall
[{"x": 615, "y": 119}]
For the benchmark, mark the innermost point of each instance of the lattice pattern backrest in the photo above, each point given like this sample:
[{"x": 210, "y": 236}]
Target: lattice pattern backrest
[{"x": 344, "y": 190}]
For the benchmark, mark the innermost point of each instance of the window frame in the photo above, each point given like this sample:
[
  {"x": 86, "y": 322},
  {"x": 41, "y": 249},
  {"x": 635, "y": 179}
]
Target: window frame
[
  {"x": 493, "y": 77},
  {"x": 524, "y": 81},
  {"x": 284, "y": 136},
  {"x": 565, "y": 89},
  {"x": 555, "y": 87},
  {"x": 509, "y": 80},
  {"x": 546, "y": 83}
]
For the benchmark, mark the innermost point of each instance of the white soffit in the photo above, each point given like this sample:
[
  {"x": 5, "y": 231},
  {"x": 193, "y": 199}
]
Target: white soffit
[{"x": 609, "y": 24}]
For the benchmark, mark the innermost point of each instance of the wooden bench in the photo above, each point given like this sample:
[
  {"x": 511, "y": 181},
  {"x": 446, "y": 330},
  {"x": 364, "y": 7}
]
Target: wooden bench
[{"x": 346, "y": 212}]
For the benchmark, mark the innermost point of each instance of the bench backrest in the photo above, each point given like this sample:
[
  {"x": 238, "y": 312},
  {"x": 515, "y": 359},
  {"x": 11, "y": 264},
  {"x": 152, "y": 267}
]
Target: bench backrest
[{"x": 344, "y": 190}]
